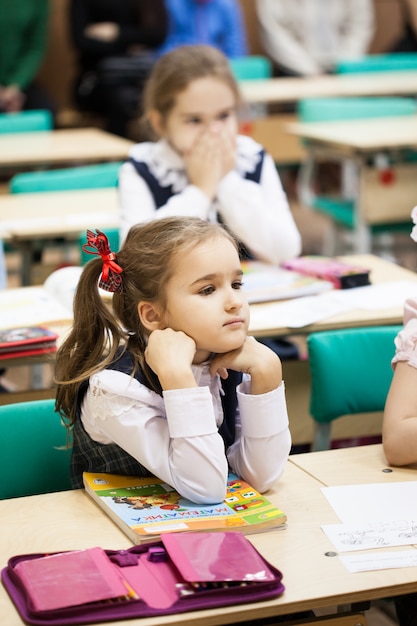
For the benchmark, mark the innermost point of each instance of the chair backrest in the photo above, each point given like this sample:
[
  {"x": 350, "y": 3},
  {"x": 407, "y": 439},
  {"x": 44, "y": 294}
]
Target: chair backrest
[
  {"x": 333, "y": 109},
  {"x": 33, "y": 450},
  {"x": 251, "y": 67},
  {"x": 26, "y": 121},
  {"x": 350, "y": 370},
  {"x": 82, "y": 177},
  {"x": 390, "y": 62}
]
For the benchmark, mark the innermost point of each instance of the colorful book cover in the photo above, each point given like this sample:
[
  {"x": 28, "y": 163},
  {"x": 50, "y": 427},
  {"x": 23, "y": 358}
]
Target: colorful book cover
[{"x": 146, "y": 507}]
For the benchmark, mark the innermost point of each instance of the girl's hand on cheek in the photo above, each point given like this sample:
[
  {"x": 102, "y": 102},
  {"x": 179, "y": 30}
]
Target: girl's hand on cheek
[
  {"x": 204, "y": 162},
  {"x": 253, "y": 358},
  {"x": 169, "y": 354}
]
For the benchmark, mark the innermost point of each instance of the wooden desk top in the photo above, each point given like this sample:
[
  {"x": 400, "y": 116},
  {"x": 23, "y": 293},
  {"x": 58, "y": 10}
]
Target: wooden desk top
[
  {"x": 293, "y": 89},
  {"x": 80, "y": 145},
  {"x": 352, "y": 466},
  {"x": 366, "y": 135},
  {"x": 70, "y": 520},
  {"x": 263, "y": 325},
  {"x": 57, "y": 213}
]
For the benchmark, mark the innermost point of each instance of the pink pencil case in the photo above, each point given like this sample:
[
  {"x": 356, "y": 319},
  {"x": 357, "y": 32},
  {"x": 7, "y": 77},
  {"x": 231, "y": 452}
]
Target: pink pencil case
[{"x": 182, "y": 572}]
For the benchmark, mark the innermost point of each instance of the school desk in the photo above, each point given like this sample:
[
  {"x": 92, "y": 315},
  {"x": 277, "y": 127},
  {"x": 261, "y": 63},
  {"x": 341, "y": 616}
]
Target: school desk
[
  {"x": 20, "y": 151},
  {"x": 352, "y": 466},
  {"x": 281, "y": 90},
  {"x": 71, "y": 520},
  {"x": 27, "y": 217},
  {"x": 381, "y": 271},
  {"x": 379, "y": 200}
]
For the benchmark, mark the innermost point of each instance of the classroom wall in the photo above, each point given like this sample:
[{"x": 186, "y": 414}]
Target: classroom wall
[{"x": 59, "y": 67}]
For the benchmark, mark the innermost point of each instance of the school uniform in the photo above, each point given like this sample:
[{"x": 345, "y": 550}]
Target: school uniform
[
  {"x": 186, "y": 437},
  {"x": 250, "y": 200}
]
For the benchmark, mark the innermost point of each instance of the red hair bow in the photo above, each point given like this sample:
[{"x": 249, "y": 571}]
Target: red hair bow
[{"x": 110, "y": 279}]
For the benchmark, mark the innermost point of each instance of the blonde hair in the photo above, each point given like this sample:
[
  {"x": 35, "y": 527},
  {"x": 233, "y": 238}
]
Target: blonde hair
[
  {"x": 148, "y": 261},
  {"x": 175, "y": 70}
]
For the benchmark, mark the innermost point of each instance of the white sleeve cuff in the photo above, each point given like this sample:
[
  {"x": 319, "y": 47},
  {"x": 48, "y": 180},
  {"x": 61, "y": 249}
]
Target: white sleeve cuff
[{"x": 262, "y": 415}]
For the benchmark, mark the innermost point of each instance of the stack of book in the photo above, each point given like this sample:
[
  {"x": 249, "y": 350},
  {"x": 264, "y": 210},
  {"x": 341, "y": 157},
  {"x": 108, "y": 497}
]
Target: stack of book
[{"x": 26, "y": 341}]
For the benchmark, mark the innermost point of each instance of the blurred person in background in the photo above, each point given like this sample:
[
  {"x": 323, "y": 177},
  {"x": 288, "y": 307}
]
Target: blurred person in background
[
  {"x": 23, "y": 42},
  {"x": 309, "y": 37},
  {"x": 116, "y": 41},
  {"x": 217, "y": 23}
]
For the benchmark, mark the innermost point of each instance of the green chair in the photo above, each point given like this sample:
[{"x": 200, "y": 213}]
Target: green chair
[
  {"x": 35, "y": 457},
  {"x": 341, "y": 209},
  {"x": 251, "y": 67},
  {"x": 390, "y": 62},
  {"x": 82, "y": 177},
  {"x": 26, "y": 121},
  {"x": 350, "y": 374}
]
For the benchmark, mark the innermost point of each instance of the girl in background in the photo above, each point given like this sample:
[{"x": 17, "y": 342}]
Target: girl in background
[
  {"x": 200, "y": 166},
  {"x": 170, "y": 384}
]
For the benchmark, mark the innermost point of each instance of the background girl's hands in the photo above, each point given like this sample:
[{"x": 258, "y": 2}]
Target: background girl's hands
[
  {"x": 253, "y": 358},
  {"x": 169, "y": 354},
  {"x": 203, "y": 163},
  {"x": 212, "y": 156}
]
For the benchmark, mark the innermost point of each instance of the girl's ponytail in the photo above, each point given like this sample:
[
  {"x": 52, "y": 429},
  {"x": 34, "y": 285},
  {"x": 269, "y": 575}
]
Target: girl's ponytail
[{"x": 92, "y": 343}]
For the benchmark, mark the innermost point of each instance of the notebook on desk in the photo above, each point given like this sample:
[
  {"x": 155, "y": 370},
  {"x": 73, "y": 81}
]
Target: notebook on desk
[{"x": 263, "y": 282}]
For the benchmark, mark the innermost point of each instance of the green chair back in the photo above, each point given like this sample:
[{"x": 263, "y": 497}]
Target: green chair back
[
  {"x": 390, "y": 62},
  {"x": 251, "y": 67},
  {"x": 350, "y": 373},
  {"x": 82, "y": 177},
  {"x": 34, "y": 454},
  {"x": 26, "y": 121}
]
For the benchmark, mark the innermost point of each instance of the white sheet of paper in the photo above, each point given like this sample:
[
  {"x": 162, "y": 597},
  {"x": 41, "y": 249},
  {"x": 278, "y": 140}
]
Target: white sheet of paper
[
  {"x": 298, "y": 312},
  {"x": 374, "y": 502},
  {"x": 349, "y": 538},
  {"x": 379, "y": 560},
  {"x": 309, "y": 309},
  {"x": 382, "y": 296}
]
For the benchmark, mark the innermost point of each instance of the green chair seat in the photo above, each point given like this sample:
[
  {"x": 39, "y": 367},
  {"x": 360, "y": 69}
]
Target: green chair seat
[
  {"x": 350, "y": 373},
  {"x": 34, "y": 455},
  {"x": 342, "y": 212},
  {"x": 26, "y": 121}
]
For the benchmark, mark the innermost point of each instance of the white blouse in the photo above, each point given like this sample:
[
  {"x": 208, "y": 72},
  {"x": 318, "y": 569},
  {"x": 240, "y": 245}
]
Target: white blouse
[
  {"x": 257, "y": 214},
  {"x": 176, "y": 436}
]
